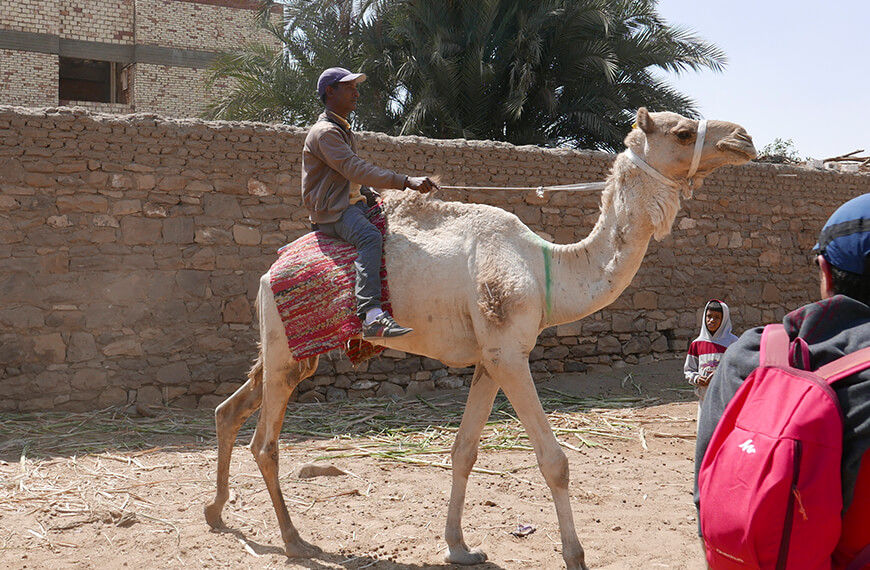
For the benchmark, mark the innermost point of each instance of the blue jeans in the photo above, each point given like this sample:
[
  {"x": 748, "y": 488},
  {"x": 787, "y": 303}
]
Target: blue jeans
[{"x": 354, "y": 228}]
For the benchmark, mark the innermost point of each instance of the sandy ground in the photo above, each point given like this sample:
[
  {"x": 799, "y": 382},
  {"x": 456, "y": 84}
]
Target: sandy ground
[{"x": 112, "y": 490}]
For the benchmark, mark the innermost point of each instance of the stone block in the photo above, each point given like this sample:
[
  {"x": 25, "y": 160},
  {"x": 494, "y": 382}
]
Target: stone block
[
  {"x": 89, "y": 379},
  {"x": 360, "y": 394},
  {"x": 660, "y": 344},
  {"x": 192, "y": 283},
  {"x": 258, "y": 188},
  {"x": 172, "y": 183},
  {"x": 237, "y": 310},
  {"x": 21, "y": 317},
  {"x": 450, "y": 383},
  {"x": 221, "y": 206},
  {"x": 213, "y": 236},
  {"x": 645, "y": 300},
  {"x": 49, "y": 347},
  {"x": 407, "y": 365},
  {"x": 622, "y": 322},
  {"x": 334, "y": 394},
  {"x": 557, "y": 352},
  {"x": 149, "y": 395},
  {"x": 140, "y": 231},
  {"x": 310, "y": 396},
  {"x": 174, "y": 374},
  {"x": 364, "y": 385},
  {"x": 637, "y": 345},
  {"x": 113, "y": 396},
  {"x": 770, "y": 293},
  {"x": 178, "y": 230},
  {"x": 246, "y": 235},
  {"x": 125, "y": 207},
  {"x": 570, "y": 329},
  {"x": 120, "y": 181},
  {"x": 83, "y": 203},
  {"x": 596, "y": 326},
  {"x": 144, "y": 181},
  {"x": 431, "y": 364},
  {"x": 381, "y": 366},
  {"x": 128, "y": 346},
  {"x": 81, "y": 347},
  {"x": 608, "y": 345},
  {"x": 417, "y": 387},
  {"x": 209, "y": 402},
  {"x": 387, "y": 389}
]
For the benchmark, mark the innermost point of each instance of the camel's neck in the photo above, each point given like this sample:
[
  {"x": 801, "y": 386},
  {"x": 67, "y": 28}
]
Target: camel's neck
[{"x": 585, "y": 277}]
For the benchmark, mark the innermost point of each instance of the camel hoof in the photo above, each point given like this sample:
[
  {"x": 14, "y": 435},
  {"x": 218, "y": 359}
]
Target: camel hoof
[
  {"x": 213, "y": 516},
  {"x": 465, "y": 557},
  {"x": 301, "y": 549}
]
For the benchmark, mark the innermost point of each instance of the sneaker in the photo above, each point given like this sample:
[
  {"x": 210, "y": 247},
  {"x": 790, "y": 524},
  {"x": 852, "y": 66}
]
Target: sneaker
[{"x": 383, "y": 327}]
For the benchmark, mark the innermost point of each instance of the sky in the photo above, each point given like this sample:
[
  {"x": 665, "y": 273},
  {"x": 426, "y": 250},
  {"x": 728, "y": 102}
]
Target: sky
[{"x": 796, "y": 70}]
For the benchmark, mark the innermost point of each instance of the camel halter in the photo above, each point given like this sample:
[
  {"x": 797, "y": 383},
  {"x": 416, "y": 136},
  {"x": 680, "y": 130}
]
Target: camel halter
[{"x": 693, "y": 168}]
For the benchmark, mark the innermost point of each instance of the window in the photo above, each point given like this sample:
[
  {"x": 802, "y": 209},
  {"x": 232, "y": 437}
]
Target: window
[{"x": 90, "y": 80}]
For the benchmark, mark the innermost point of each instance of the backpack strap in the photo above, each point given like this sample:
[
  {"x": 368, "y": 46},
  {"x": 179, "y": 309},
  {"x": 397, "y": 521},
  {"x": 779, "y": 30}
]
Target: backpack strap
[
  {"x": 845, "y": 366},
  {"x": 774, "y": 346},
  {"x": 860, "y": 561}
]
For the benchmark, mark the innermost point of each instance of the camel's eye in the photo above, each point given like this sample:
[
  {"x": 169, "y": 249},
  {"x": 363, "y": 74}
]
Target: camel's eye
[{"x": 684, "y": 135}]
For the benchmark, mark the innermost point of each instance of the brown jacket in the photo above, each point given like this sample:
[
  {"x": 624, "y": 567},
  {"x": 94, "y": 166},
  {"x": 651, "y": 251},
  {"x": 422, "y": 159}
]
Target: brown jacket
[{"x": 330, "y": 166}]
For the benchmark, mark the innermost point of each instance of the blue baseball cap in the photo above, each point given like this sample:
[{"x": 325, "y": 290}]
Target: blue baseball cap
[
  {"x": 845, "y": 238},
  {"x": 335, "y": 75}
]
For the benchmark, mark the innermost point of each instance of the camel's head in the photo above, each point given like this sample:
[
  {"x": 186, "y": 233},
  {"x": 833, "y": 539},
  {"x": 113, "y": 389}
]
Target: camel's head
[
  {"x": 667, "y": 141},
  {"x": 676, "y": 154}
]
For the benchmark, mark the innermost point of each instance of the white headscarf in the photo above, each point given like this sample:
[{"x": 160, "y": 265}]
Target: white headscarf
[{"x": 723, "y": 335}]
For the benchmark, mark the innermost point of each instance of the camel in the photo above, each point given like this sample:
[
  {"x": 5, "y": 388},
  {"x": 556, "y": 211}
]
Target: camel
[{"x": 478, "y": 287}]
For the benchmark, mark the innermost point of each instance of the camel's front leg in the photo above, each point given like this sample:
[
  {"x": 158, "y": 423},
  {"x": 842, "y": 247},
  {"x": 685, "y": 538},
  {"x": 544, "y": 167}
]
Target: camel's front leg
[
  {"x": 229, "y": 417},
  {"x": 464, "y": 454},
  {"x": 516, "y": 381}
]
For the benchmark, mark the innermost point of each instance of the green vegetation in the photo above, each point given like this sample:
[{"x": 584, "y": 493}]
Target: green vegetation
[
  {"x": 779, "y": 151},
  {"x": 552, "y": 72}
]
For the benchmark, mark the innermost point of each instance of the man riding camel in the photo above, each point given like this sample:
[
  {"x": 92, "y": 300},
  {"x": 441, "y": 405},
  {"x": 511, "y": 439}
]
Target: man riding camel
[{"x": 335, "y": 188}]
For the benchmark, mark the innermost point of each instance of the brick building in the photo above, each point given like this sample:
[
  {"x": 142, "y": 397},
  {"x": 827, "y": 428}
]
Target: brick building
[{"x": 117, "y": 56}]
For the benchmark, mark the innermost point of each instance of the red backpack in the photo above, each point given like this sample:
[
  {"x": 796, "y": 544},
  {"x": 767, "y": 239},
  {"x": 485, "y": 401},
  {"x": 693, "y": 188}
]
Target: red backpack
[{"x": 769, "y": 483}]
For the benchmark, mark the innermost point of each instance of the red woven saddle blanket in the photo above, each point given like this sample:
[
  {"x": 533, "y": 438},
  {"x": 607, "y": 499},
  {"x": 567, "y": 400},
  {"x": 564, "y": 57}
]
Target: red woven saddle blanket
[{"x": 313, "y": 282}]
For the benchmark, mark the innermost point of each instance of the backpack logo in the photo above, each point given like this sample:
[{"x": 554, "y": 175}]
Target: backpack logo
[{"x": 747, "y": 446}]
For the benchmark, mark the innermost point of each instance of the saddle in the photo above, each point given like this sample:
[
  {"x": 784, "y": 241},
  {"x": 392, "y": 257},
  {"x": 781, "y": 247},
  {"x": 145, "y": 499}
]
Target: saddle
[{"x": 313, "y": 282}]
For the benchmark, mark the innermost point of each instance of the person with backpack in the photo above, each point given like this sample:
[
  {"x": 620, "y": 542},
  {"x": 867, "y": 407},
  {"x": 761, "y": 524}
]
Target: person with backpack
[{"x": 778, "y": 485}]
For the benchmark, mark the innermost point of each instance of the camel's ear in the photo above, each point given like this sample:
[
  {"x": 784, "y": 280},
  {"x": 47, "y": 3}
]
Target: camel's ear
[{"x": 644, "y": 121}]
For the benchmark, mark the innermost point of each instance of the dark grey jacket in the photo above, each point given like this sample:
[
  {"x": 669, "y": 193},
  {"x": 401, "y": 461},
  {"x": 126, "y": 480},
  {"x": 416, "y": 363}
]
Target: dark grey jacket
[{"x": 832, "y": 328}]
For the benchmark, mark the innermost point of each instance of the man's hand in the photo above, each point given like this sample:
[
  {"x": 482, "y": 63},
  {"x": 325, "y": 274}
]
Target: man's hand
[{"x": 422, "y": 184}]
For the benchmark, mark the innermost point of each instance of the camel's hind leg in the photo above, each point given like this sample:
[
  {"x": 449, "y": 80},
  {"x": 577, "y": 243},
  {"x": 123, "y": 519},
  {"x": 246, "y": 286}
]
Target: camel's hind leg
[
  {"x": 477, "y": 410},
  {"x": 516, "y": 381},
  {"x": 281, "y": 375},
  {"x": 229, "y": 418}
]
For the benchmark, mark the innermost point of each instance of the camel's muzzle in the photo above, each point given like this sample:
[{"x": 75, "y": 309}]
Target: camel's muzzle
[{"x": 740, "y": 142}]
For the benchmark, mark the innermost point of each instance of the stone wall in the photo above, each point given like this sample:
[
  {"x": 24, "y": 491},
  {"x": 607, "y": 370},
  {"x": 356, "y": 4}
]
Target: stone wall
[{"x": 131, "y": 246}]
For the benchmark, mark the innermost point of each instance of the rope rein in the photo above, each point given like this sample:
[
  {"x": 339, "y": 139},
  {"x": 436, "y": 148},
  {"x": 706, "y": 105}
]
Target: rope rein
[
  {"x": 596, "y": 186},
  {"x": 539, "y": 190}
]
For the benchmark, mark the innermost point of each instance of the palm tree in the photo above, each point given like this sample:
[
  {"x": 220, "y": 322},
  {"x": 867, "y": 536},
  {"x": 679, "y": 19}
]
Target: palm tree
[
  {"x": 549, "y": 72},
  {"x": 275, "y": 81}
]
